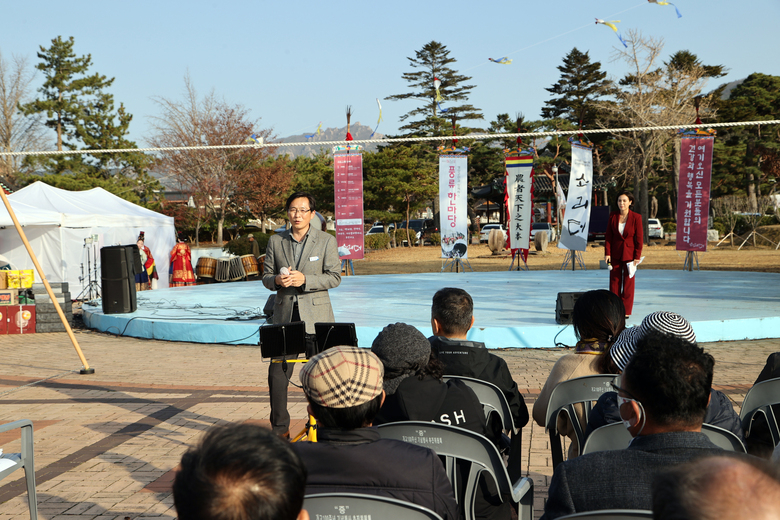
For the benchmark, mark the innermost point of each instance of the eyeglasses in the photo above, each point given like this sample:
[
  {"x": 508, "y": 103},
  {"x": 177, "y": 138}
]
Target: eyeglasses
[
  {"x": 623, "y": 400},
  {"x": 298, "y": 211}
]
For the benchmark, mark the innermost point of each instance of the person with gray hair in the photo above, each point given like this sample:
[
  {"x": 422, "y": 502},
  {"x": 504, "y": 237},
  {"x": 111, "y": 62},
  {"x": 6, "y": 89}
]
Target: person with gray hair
[
  {"x": 720, "y": 411},
  {"x": 718, "y": 487}
]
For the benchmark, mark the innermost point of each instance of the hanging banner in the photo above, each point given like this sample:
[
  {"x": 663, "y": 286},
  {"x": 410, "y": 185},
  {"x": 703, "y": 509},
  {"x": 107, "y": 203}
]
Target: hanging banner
[
  {"x": 453, "y": 170},
  {"x": 348, "y": 195},
  {"x": 574, "y": 231},
  {"x": 693, "y": 199},
  {"x": 519, "y": 201}
]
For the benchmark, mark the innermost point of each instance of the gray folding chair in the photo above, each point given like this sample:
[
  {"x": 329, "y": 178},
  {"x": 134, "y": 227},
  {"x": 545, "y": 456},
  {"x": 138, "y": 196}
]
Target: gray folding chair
[
  {"x": 615, "y": 437},
  {"x": 461, "y": 447},
  {"x": 354, "y": 505},
  {"x": 760, "y": 399},
  {"x": 10, "y": 462},
  {"x": 564, "y": 396},
  {"x": 611, "y": 514},
  {"x": 494, "y": 403}
]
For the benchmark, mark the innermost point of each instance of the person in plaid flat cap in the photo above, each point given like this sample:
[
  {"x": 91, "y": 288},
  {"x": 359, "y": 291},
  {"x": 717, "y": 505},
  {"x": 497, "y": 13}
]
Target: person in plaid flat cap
[{"x": 344, "y": 388}]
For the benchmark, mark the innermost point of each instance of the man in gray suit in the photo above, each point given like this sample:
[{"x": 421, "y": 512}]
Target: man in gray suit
[
  {"x": 662, "y": 397},
  {"x": 301, "y": 264}
]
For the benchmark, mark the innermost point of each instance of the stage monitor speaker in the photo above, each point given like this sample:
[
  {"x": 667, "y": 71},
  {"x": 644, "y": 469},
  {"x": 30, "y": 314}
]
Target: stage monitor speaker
[
  {"x": 565, "y": 305},
  {"x": 118, "y": 280}
]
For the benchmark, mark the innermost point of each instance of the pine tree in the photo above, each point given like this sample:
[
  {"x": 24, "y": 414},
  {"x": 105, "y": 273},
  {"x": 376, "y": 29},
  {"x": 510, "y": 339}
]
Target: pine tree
[
  {"x": 82, "y": 114},
  {"x": 581, "y": 82},
  {"x": 433, "y": 60}
]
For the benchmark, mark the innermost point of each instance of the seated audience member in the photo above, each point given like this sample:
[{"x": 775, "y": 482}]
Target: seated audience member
[
  {"x": 598, "y": 317},
  {"x": 759, "y": 442},
  {"x": 452, "y": 316},
  {"x": 713, "y": 488},
  {"x": 240, "y": 472},
  {"x": 414, "y": 388},
  {"x": 663, "y": 398},
  {"x": 720, "y": 412},
  {"x": 343, "y": 386}
]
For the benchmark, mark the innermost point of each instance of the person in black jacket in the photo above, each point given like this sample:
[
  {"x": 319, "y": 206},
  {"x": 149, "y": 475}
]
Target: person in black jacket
[
  {"x": 451, "y": 319},
  {"x": 343, "y": 386},
  {"x": 719, "y": 413}
]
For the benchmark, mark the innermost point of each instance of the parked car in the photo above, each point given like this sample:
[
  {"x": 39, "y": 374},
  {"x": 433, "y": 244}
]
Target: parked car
[
  {"x": 379, "y": 228},
  {"x": 543, "y": 227},
  {"x": 654, "y": 228},
  {"x": 487, "y": 228},
  {"x": 421, "y": 227}
]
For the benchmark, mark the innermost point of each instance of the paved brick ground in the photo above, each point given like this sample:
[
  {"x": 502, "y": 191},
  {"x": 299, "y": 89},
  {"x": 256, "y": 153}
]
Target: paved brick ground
[{"x": 106, "y": 444}]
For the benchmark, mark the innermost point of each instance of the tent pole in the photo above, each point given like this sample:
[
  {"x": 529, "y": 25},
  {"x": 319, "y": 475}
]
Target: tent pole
[{"x": 86, "y": 369}]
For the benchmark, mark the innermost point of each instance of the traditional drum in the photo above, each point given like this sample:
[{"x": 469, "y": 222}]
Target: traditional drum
[
  {"x": 236, "y": 269},
  {"x": 206, "y": 267},
  {"x": 223, "y": 269},
  {"x": 250, "y": 264}
]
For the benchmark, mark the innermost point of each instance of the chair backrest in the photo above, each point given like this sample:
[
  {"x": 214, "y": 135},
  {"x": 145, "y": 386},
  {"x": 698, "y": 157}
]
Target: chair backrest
[
  {"x": 759, "y": 400},
  {"x": 611, "y": 514},
  {"x": 615, "y": 437},
  {"x": 564, "y": 396},
  {"x": 10, "y": 462},
  {"x": 354, "y": 505},
  {"x": 465, "y": 449},
  {"x": 491, "y": 398}
]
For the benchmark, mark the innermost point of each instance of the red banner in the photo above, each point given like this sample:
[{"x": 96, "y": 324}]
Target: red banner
[
  {"x": 348, "y": 194},
  {"x": 693, "y": 198}
]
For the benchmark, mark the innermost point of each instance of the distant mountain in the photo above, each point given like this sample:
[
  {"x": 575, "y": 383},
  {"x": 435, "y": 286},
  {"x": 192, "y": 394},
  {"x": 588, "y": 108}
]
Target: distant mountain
[
  {"x": 311, "y": 149},
  {"x": 729, "y": 87}
]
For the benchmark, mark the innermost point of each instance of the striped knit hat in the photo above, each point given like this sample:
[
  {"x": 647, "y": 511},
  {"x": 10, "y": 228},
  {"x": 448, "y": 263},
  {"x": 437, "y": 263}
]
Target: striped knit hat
[
  {"x": 342, "y": 377},
  {"x": 624, "y": 347},
  {"x": 668, "y": 323}
]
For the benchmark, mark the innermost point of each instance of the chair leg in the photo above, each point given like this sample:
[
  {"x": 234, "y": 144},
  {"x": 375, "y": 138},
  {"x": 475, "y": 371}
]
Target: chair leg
[
  {"x": 555, "y": 448},
  {"x": 29, "y": 470}
]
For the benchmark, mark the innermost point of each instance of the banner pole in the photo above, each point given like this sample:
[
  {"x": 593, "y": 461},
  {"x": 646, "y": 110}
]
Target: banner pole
[{"x": 86, "y": 369}]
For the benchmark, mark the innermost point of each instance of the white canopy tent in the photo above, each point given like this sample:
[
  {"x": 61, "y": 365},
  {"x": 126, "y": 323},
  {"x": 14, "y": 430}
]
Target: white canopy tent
[{"x": 57, "y": 223}]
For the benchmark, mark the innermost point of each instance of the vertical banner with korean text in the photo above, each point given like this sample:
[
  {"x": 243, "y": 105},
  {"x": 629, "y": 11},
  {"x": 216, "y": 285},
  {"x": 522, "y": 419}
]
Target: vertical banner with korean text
[
  {"x": 348, "y": 194},
  {"x": 693, "y": 198},
  {"x": 453, "y": 201},
  {"x": 519, "y": 201},
  {"x": 574, "y": 229}
]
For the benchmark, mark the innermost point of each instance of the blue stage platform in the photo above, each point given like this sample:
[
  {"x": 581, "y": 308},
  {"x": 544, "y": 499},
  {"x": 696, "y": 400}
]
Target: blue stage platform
[{"x": 513, "y": 309}]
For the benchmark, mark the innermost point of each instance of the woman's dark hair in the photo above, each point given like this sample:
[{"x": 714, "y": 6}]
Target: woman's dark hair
[
  {"x": 599, "y": 315},
  {"x": 434, "y": 368},
  {"x": 627, "y": 194},
  {"x": 350, "y": 418}
]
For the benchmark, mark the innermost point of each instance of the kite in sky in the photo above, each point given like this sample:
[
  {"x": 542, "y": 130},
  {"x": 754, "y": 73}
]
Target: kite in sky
[
  {"x": 318, "y": 132},
  {"x": 436, "y": 85},
  {"x": 442, "y": 110},
  {"x": 378, "y": 120},
  {"x": 611, "y": 25},
  {"x": 254, "y": 139},
  {"x": 501, "y": 61},
  {"x": 666, "y": 3}
]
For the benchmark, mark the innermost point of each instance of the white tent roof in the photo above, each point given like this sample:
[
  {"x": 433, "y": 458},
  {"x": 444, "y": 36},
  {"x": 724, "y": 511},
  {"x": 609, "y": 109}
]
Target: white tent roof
[
  {"x": 28, "y": 215},
  {"x": 95, "y": 207}
]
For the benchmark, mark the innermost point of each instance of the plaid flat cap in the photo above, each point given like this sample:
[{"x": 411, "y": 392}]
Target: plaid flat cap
[
  {"x": 342, "y": 377},
  {"x": 669, "y": 323}
]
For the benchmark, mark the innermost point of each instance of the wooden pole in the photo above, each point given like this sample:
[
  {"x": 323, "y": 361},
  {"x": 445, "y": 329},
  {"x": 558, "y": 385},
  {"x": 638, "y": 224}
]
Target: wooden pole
[{"x": 7, "y": 203}]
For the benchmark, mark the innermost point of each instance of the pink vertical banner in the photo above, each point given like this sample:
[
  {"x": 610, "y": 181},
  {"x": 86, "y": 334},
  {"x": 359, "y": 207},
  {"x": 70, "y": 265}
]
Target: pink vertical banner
[
  {"x": 693, "y": 198},
  {"x": 348, "y": 195}
]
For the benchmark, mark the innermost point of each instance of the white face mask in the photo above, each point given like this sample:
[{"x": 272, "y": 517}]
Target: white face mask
[{"x": 627, "y": 423}]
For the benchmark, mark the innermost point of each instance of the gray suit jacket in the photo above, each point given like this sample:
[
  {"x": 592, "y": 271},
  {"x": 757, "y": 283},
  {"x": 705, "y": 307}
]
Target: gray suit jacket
[
  {"x": 621, "y": 479},
  {"x": 319, "y": 263}
]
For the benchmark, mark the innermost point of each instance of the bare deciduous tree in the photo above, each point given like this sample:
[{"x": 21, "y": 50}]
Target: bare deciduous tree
[
  {"x": 213, "y": 177},
  {"x": 727, "y": 209},
  {"x": 18, "y": 133}
]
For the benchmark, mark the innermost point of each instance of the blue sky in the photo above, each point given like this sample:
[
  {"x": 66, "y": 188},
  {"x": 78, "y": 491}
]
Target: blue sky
[{"x": 295, "y": 64}]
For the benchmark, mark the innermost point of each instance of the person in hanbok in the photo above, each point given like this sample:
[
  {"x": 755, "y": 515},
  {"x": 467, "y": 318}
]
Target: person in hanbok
[{"x": 181, "y": 264}]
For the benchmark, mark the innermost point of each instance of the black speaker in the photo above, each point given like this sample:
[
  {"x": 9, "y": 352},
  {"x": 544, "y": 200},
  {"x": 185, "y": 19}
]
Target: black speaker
[
  {"x": 565, "y": 305},
  {"x": 134, "y": 259},
  {"x": 118, "y": 280}
]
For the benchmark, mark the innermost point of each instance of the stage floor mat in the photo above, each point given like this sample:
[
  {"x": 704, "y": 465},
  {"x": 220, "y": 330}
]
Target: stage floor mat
[{"x": 512, "y": 309}]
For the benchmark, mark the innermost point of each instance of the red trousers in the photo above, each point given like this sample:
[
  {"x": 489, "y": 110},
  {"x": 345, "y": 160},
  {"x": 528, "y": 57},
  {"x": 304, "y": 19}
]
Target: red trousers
[{"x": 622, "y": 285}]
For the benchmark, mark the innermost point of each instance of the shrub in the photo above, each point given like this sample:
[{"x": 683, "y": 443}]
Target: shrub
[
  {"x": 721, "y": 227},
  {"x": 241, "y": 246},
  {"x": 670, "y": 227},
  {"x": 377, "y": 241},
  {"x": 435, "y": 239},
  {"x": 400, "y": 237}
]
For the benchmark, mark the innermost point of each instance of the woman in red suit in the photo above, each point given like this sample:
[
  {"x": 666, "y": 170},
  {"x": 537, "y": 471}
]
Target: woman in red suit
[{"x": 623, "y": 244}]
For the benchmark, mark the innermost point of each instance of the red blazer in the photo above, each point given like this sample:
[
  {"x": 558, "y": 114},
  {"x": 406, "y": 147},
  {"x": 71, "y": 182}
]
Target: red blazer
[{"x": 628, "y": 246}]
